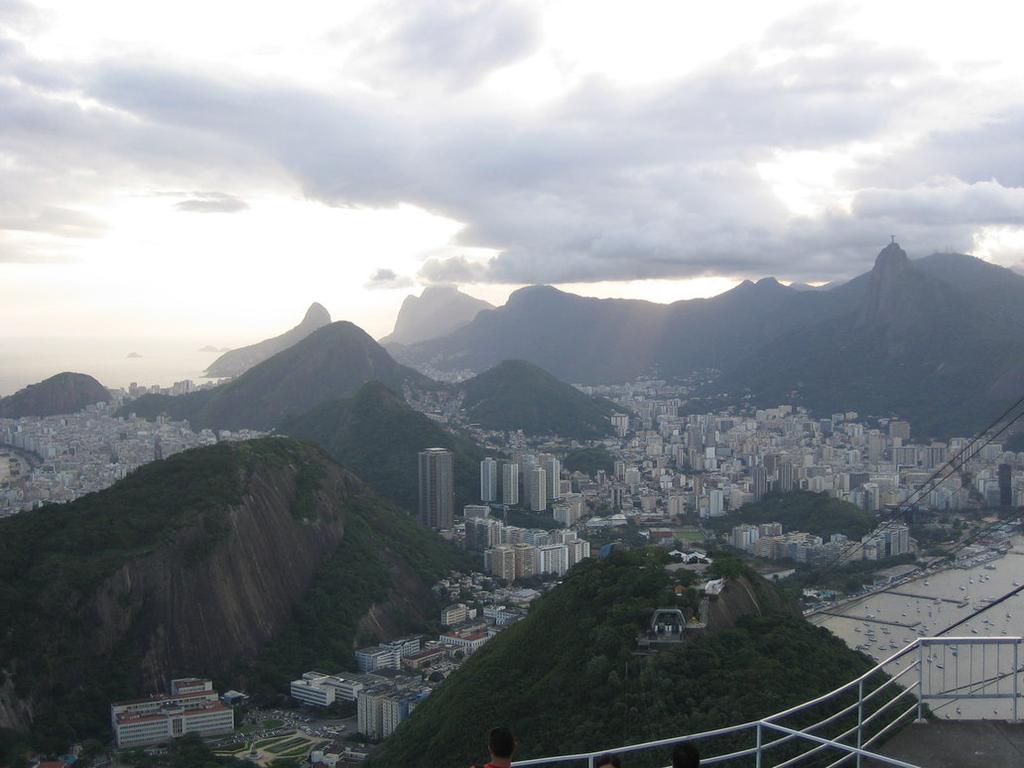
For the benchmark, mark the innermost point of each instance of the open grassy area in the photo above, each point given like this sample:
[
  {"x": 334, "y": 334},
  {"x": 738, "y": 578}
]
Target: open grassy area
[
  {"x": 285, "y": 746},
  {"x": 689, "y": 534},
  {"x": 272, "y": 723},
  {"x": 275, "y": 740}
]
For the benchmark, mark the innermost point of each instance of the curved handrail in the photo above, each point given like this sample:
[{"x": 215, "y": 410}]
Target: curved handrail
[{"x": 771, "y": 721}]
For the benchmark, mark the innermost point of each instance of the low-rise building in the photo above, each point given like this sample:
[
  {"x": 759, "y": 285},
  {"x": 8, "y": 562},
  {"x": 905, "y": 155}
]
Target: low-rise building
[{"x": 191, "y": 707}]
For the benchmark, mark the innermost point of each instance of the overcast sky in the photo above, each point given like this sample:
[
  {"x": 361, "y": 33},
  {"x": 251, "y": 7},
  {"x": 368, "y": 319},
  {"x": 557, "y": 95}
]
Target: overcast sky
[{"x": 211, "y": 168}]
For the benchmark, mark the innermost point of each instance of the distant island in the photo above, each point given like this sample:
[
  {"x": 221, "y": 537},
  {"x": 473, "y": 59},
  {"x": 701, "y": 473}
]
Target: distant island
[
  {"x": 133, "y": 355},
  {"x": 217, "y": 350}
]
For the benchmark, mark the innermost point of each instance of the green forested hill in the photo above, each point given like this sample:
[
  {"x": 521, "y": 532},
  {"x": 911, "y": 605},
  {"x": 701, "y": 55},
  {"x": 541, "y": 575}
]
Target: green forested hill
[
  {"x": 248, "y": 562},
  {"x": 64, "y": 393},
  {"x": 566, "y": 678},
  {"x": 329, "y": 363},
  {"x": 518, "y": 395},
  {"x": 589, "y": 460},
  {"x": 816, "y": 513},
  {"x": 378, "y": 436}
]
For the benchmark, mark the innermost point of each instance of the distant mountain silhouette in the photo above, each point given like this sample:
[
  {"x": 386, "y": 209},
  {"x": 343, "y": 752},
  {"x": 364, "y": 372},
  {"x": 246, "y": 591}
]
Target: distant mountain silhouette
[
  {"x": 237, "y": 361},
  {"x": 64, "y": 393},
  {"x": 438, "y": 311},
  {"x": 331, "y": 362},
  {"x": 588, "y": 340},
  {"x": 937, "y": 340},
  {"x": 518, "y": 395},
  {"x": 377, "y": 435},
  {"x": 919, "y": 339}
]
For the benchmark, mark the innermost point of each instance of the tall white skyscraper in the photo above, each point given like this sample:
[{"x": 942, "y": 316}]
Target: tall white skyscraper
[
  {"x": 538, "y": 489},
  {"x": 488, "y": 480},
  {"x": 554, "y": 469},
  {"x": 510, "y": 483}
]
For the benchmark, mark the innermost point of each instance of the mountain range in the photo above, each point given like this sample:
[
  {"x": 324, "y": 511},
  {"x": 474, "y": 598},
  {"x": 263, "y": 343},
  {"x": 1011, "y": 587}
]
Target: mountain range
[
  {"x": 937, "y": 340},
  {"x": 302, "y": 389},
  {"x": 237, "y": 361},
  {"x": 64, "y": 393},
  {"x": 438, "y": 311}
]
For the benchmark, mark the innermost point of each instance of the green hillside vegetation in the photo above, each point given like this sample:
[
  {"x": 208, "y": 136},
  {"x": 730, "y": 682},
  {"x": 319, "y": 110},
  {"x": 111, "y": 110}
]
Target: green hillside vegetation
[
  {"x": 329, "y": 363},
  {"x": 565, "y": 679},
  {"x": 324, "y": 632},
  {"x": 589, "y": 460},
  {"x": 64, "y": 393},
  {"x": 816, "y": 513},
  {"x": 516, "y": 394},
  {"x": 378, "y": 436},
  {"x": 52, "y": 561}
]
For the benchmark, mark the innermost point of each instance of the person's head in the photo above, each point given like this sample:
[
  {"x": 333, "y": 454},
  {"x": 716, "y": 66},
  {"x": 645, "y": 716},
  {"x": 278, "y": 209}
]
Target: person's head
[
  {"x": 501, "y": 743},
  {"x": 685, "y": 755},
  {"x": 609, "y": 761}
]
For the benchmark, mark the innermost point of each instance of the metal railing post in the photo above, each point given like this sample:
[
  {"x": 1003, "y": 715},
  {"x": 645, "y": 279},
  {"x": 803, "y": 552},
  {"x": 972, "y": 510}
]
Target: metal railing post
[
  {"x": 1016, "y": 679},
  {"x": 590, "y": 761},
  {"x": 860, "y": 718},
  {"x": 757, "y": 758},
  {"x": 920, "y": 682}
]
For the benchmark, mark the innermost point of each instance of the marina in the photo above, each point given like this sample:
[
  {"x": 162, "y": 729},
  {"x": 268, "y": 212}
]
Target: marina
[{"x": 935, "y": 604}]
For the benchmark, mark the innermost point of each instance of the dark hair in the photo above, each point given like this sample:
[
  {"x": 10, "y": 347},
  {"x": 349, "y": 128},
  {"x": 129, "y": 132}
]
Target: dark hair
[
  {"x": 612, "y": 760},
  {"x": 501, "y": 742},
  {"x": 685, "y": 755}
]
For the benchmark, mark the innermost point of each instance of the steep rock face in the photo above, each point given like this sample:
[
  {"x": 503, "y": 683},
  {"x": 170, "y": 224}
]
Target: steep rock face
[
  {"x": 64, "y": 393},
  {"x": 237, "y": 361},
  {"x": 224, "y": 608},
  {"x": 741, "y": 597},
  {"x": 438, "y": 311}
]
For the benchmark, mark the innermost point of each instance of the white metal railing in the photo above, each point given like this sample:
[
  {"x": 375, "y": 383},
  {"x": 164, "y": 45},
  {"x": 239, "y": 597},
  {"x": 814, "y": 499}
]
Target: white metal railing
[{"x": 859, "y": 713}]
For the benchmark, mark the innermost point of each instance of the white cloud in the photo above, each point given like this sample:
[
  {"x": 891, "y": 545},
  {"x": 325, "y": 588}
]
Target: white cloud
[{"x": 791, "y": 147}]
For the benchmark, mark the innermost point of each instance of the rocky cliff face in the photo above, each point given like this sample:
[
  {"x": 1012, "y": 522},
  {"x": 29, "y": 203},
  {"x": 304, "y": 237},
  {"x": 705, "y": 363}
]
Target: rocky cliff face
[
  {"x": 438, "y": 311},
  {"x": 202, "y": 614},
  {"x": 745, "y": 597}
]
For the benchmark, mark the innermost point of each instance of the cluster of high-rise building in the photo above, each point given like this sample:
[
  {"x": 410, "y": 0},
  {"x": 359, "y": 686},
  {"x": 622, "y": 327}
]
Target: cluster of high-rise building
[
  {"x": 513, "y": 553},
  {"x": 529, "y": 480},
  {"x": 705, "y": 465}
]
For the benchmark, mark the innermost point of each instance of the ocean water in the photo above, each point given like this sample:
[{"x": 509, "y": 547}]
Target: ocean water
[
  {"x": 162, "y": 361},
  {"x": 925, "y": 607}
]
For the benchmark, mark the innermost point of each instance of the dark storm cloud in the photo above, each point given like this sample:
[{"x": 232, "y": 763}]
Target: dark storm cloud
[
  {"x": 387, "y": 278},
  {"x": 212, "y": 202},
  {"x": 604, "y": 183}
]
